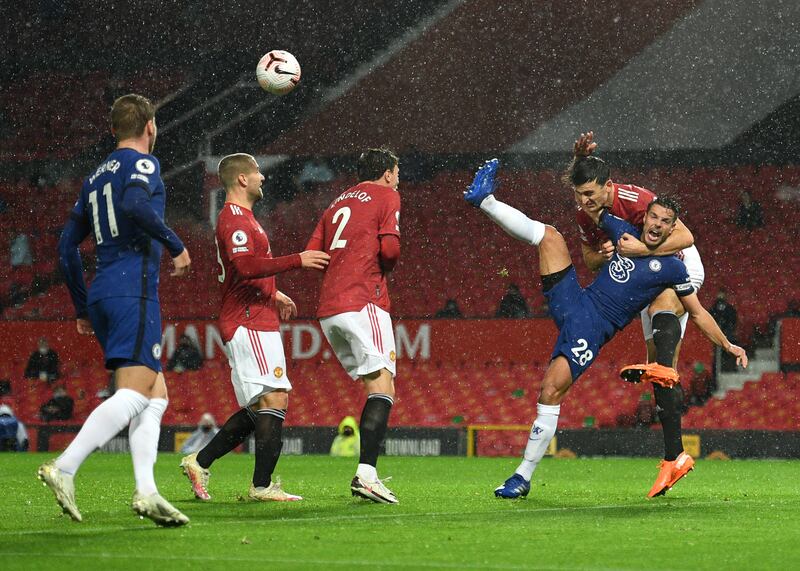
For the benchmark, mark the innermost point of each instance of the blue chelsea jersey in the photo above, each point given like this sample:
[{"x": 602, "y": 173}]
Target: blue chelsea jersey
[
  {"x": 625, "y": 286},
  {"x": 128, "y": 259}
]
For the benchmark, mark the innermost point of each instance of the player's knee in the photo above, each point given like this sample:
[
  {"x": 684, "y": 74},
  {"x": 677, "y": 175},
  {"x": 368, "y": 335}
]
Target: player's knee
[
  {"x": 551, "y": 234},
  {"x": 552, "y": 394}
]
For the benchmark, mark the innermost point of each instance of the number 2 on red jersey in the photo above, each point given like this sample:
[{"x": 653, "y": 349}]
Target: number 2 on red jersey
[{"x": 344, "y": 214}]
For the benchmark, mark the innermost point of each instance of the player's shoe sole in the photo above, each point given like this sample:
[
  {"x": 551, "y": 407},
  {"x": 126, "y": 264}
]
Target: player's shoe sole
[
  {"x": 650, "y": 372},
  {"x": 483, "y": 183},
  {"x": 513, "y": 488},
  {"x": 157, "y": 509},
  {"x": 669, "y": 473},
  {"x": 198, "y": 476},
  {"x": 62, "y": 486},
  {"x": 272, "y": 493},
  {"x": 374, "y": 491}
]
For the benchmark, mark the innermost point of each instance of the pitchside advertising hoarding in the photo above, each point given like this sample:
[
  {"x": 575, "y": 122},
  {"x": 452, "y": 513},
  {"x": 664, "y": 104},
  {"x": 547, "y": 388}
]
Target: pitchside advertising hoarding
[{"x": 438, "y": 340}]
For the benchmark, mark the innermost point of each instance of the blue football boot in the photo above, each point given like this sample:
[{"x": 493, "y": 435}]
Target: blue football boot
[
  {"x": 483, "y": 184},
  {"x": 515, "y": 487}
]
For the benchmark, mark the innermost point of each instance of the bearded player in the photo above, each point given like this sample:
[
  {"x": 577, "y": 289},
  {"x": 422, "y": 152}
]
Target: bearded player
[
  {"x": 361, "y": 231},
  {"x": 249, "y": 324},
  {"x": 664, "y": 320},
  {"x": 588, "y": 318}
]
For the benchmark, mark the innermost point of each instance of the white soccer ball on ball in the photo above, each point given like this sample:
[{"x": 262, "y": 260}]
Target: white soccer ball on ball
[{"x": 278, "y": 72}]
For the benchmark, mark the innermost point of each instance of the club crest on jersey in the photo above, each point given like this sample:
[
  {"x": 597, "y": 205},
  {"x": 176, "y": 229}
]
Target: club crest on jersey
[
  {"x": 620, "y": 269},
  {"x": 157, "y": 351},
  {"x": 145, "y": 166},
  {"x": 655, "y": 266},
  {"x": 392, "y": 356},
  {"x": 278, "y": 372},
  {"x": 239, "y": 238}
]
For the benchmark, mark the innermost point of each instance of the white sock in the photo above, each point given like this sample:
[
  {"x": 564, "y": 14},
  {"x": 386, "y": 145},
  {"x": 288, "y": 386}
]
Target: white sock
[
  {"x": 514, "y": 222},
  {"x": 367, "y": 472},
  {"x": 542, "y": 432},
  {"x": 143, "y": 436},
  {"x": 103, "y": 424}
]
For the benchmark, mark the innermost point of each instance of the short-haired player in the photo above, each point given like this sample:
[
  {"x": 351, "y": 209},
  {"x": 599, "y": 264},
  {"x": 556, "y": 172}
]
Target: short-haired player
[
  {"x": 360, "y": 229},
  {"x": 664, "y": 320},
  {"x": 121, "y": 205},
  {"x": 249, "y": 322}
]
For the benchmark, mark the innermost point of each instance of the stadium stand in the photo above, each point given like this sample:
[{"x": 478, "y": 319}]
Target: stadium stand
[{"x": 729, "y": 253}]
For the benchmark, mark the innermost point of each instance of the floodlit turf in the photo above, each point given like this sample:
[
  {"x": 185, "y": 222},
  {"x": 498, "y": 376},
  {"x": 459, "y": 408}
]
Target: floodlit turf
[{"x": 582, "y": 514}]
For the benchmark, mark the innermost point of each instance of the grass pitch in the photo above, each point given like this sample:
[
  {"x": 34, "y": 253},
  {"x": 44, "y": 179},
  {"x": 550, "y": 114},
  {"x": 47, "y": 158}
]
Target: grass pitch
[{"x": 584, "y": 514}]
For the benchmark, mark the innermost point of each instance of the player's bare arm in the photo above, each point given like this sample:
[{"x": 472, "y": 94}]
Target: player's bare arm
[
  {"x": 596, "y": 257},
  {"x": 286, "y": 307},
  {"x": 182, "y": 264},
  {"x": 680, "y": 239},
  {"x": 314, "y": 259},
  {"x": 710, "y": 329},
  {"x": 84, "y": 326},
  {"x": 585, "y": 145}
]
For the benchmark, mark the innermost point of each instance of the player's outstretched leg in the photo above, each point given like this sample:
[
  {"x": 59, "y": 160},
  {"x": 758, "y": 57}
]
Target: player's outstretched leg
[
  {"x": 374, "y": 421},
  {"x": 63, "y": 487},
  {"x": 158, "y": 509},
  {"x": 235, "y": 430}
]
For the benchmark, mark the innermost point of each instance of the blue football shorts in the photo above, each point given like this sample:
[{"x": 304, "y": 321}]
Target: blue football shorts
[
  {"x": 582, "y": 330},
  {"x": 129, "y": 331}
]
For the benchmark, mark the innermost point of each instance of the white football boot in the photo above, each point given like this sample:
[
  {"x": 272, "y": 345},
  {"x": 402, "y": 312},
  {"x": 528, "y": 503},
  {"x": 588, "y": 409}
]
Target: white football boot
[{"x": 63, "y": 487}]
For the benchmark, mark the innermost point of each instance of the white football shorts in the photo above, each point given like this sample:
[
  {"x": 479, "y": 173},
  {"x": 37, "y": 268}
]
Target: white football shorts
[
  {"x": 362, "y": 340},
  {"x": 258, "y": 364},
  {"x": 697, "y": 274}
]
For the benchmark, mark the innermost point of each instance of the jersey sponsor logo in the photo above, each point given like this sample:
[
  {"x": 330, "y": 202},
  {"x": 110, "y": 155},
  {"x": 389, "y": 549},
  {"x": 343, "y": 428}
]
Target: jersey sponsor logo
[
  {"x": 685, "y": 287},
  {"x": 278, "y": 372},
  {"x": 654, "y": 265},
  {"x": 157, "y": 351},
  {"x": 239, "y": 238},
  {"x": 137, "y": 176},
  {"x": 629, "y": 195},
  {"x": 145, "y": 166},
  {"x": 620, "y": 269},
  {"x": 240, "y": 249}
]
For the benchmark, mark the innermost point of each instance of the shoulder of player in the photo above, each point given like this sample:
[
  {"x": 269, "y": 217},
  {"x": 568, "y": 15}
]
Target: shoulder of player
[{"x": 633, "y": 193}]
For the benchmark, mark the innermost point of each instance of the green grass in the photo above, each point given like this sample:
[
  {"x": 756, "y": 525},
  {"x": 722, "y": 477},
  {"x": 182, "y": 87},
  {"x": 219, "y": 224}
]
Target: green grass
[{"x": 582, "y": 514}]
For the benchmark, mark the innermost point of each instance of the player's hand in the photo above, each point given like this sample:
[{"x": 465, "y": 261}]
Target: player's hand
[
  {"x": 286, "y": 307},
  {"x": 739, "y": 353},
  {"x": 606, "y": 250},
  {"x": 631, "y": 247},
  {"x": 585, "y": 145},
  {"x": 182, "y": 263},
  {"x": 84, "y": 326},
  {"x": 314, "y": 259}
]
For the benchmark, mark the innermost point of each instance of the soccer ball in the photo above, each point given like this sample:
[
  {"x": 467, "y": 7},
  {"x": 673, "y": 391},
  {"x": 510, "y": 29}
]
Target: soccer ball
[{"x": 278, "y": 72}]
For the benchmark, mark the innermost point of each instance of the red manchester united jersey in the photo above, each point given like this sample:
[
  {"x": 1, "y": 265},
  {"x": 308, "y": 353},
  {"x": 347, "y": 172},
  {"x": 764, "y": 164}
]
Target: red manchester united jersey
[
  {"x": 248, "y": 302},
  {"x": 630, "y": 203},
  {"x": 350, "y": 231}
]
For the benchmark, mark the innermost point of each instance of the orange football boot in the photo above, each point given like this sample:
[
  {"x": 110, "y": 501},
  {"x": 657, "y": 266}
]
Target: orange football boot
[
  {"x": 670, "y": 472},
  {"x": 653, "y": 372}
]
